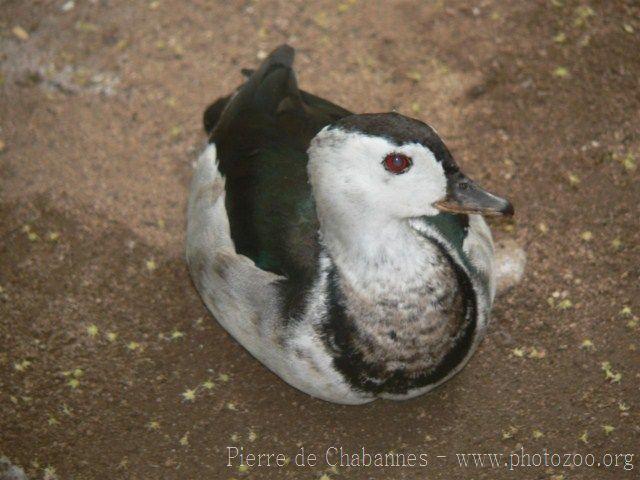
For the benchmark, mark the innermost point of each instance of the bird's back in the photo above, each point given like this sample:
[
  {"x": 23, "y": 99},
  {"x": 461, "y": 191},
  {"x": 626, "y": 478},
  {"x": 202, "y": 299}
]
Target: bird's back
[{"x": 261, "y": 134}]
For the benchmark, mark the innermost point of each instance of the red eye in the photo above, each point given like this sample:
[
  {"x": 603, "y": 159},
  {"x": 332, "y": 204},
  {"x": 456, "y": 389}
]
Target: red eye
[{"x": 397, "y": 163}]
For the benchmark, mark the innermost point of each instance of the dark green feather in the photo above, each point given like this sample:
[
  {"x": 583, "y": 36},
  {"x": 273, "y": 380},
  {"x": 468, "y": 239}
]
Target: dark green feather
[{"x": 262, "y": 135}]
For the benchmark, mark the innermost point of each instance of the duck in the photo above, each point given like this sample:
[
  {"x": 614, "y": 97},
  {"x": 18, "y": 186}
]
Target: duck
[{"x": 348, "y": 253}]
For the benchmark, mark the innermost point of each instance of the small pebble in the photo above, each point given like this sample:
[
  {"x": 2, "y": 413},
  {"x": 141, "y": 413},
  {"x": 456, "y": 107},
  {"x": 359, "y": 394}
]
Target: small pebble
[
  {"x": 20, "y": 33},
  {"x": 587, "y": 236},
  {"x": 68, "y": 6},
  {"x": 561, "y": 72},
  {"x": 8, "y": 471}
]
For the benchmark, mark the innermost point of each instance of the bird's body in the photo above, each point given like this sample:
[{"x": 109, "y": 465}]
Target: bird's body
[{"x": 316, "y": 239}]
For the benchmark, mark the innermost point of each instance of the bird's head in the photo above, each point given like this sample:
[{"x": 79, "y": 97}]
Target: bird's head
[{"x": 395, "y": 166}]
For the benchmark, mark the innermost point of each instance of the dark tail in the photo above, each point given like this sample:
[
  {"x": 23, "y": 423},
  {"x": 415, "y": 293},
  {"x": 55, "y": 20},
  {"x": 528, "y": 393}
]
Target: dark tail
[
  {"x": 213, "y": 112},
  {"x": 282, "y": 56}
]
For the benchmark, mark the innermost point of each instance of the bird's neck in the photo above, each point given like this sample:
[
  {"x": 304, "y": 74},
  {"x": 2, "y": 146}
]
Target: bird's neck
[{"x": 373, "y": 252}]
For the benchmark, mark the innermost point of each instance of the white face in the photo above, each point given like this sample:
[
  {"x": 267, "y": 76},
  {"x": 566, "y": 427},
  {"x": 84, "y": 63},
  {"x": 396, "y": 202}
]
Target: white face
[{"x": 353, "y": 171}]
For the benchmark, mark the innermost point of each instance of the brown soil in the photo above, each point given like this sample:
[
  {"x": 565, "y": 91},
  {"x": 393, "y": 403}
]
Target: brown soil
[{"x": 100, "y": 121}]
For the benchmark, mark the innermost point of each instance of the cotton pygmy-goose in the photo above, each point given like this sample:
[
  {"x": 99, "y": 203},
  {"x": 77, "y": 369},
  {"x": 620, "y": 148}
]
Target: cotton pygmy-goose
[{"x": 347, "y": 252}]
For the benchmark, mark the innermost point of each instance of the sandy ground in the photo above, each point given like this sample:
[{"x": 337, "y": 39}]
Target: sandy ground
[{"x": 110, "y": 366}]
